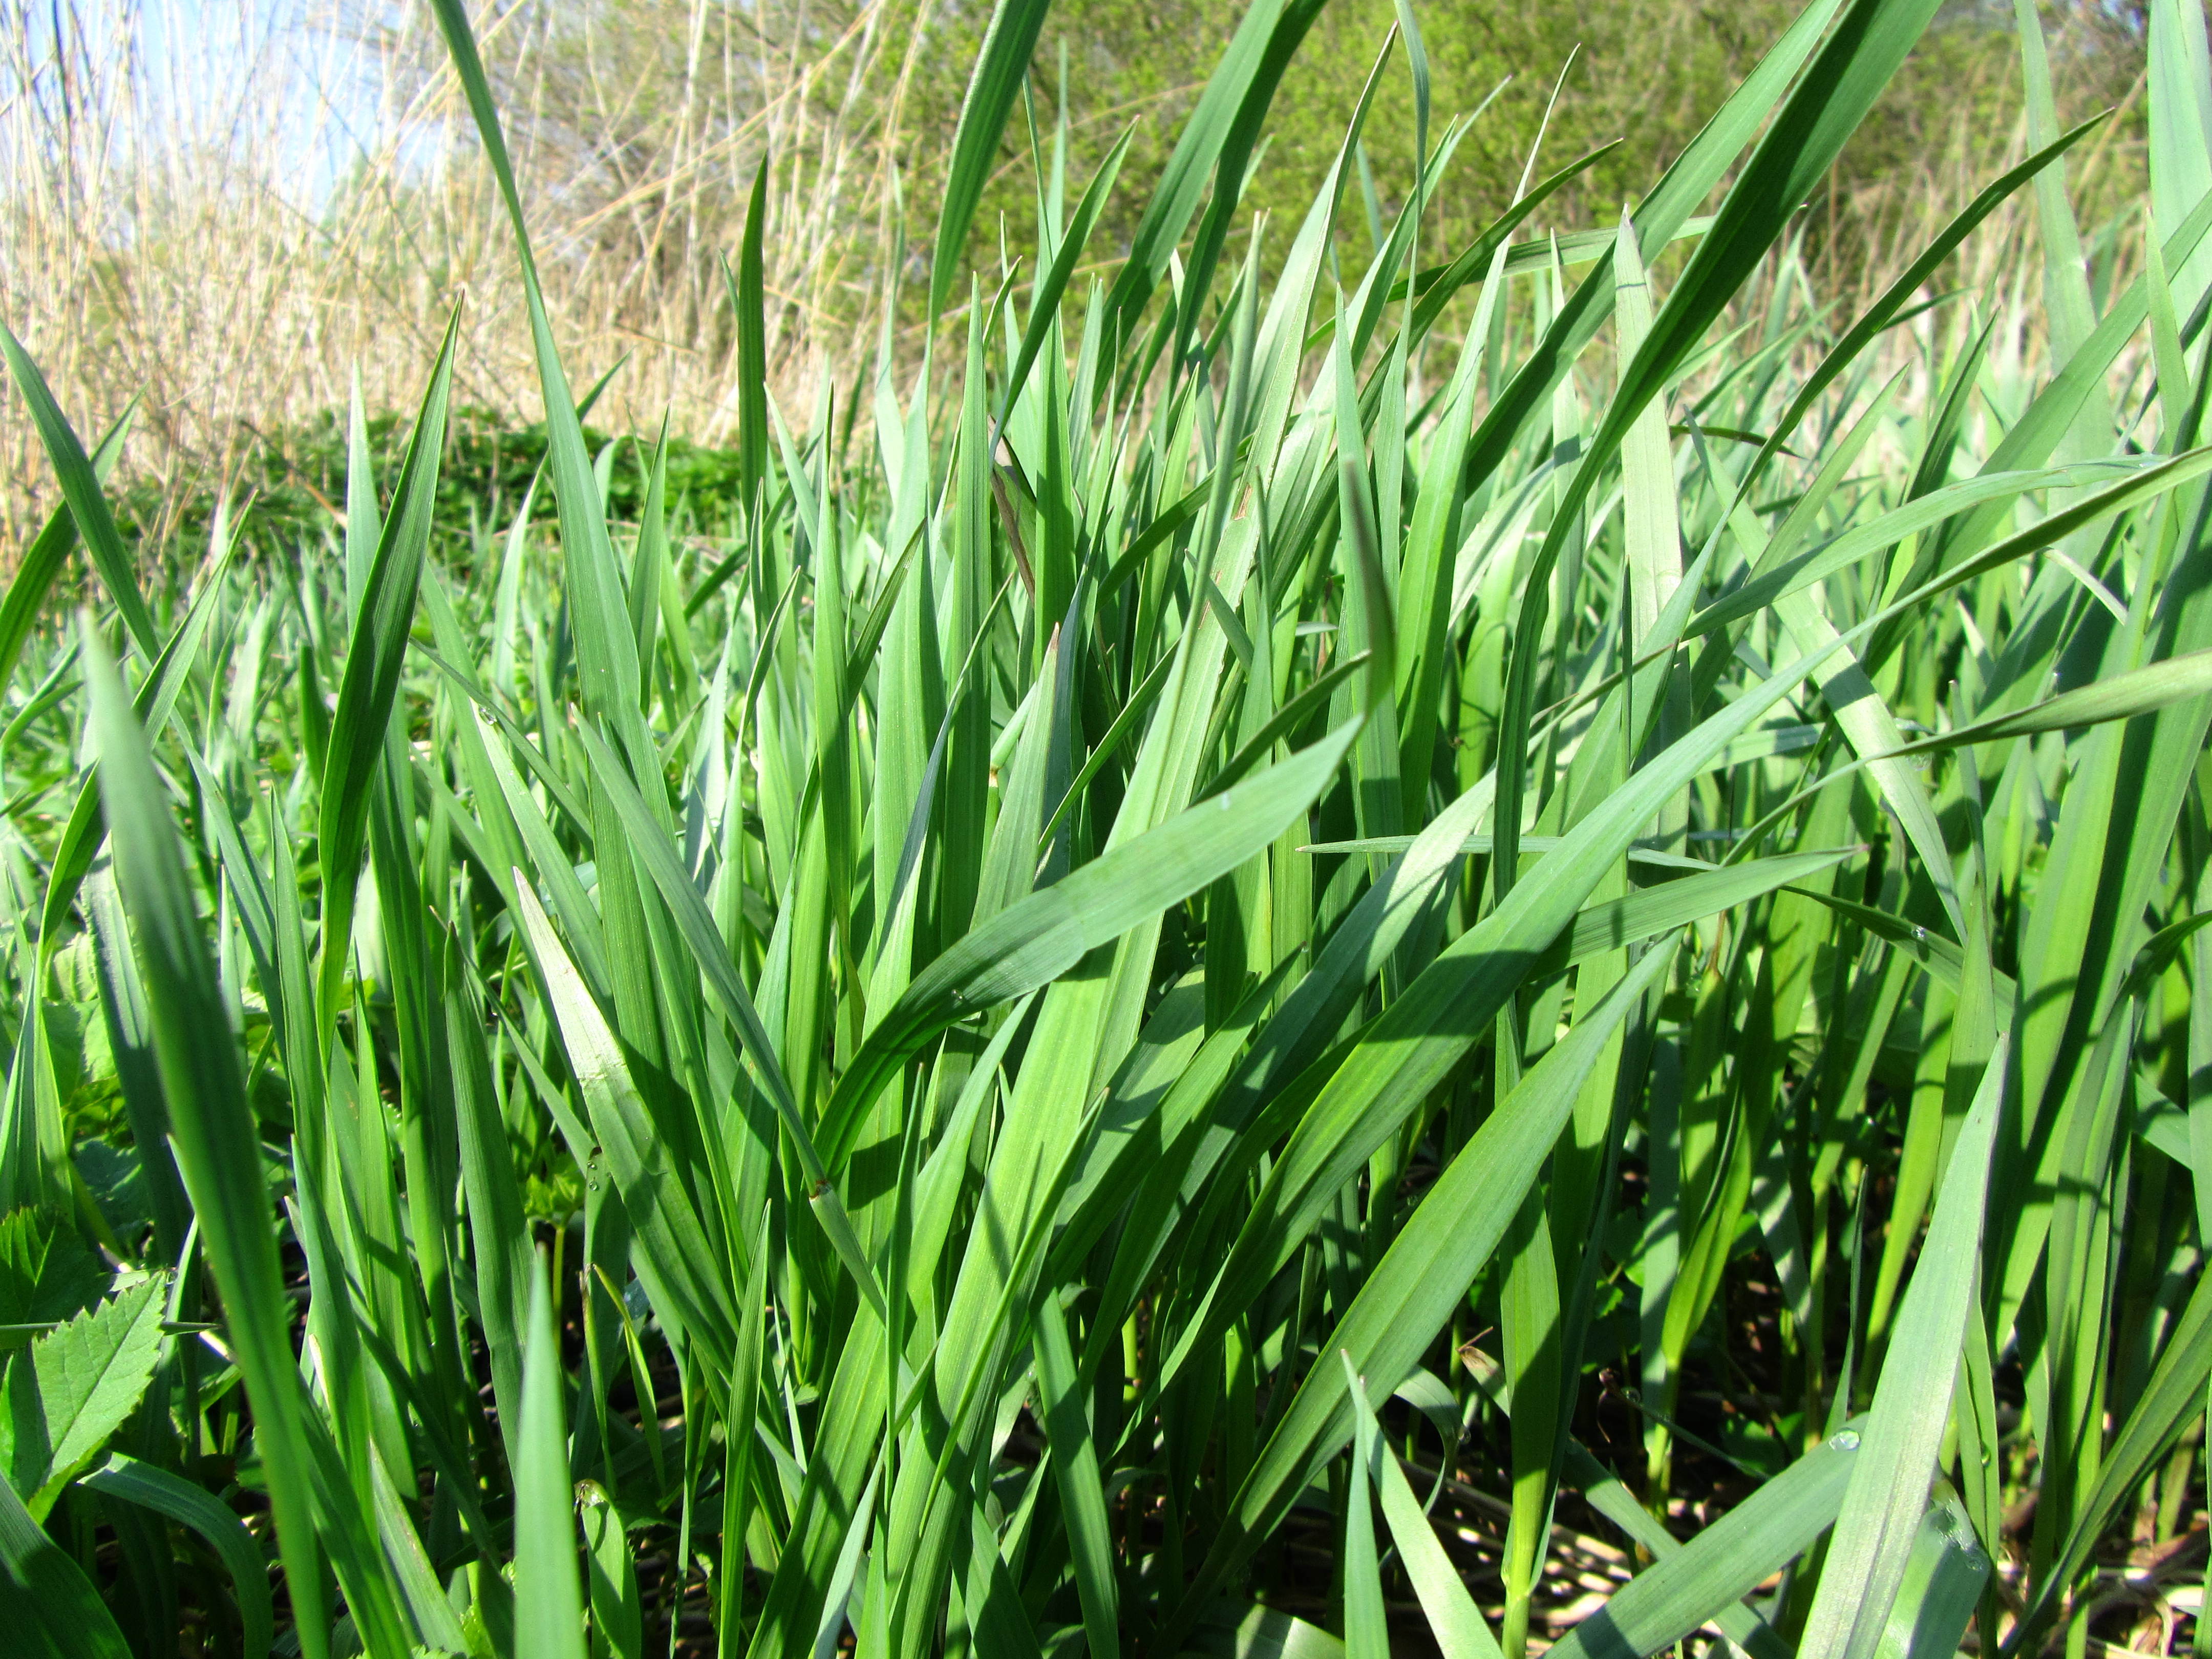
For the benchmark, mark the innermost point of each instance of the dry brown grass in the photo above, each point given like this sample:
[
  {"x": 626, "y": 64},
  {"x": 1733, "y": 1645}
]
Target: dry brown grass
[
  {"x": 230, "y": 224},
  {"x": 170, "y": 230}
]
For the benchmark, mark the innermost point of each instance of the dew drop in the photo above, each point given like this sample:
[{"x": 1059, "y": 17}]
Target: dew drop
[
  {"x": 1844, "y": 1440},
  {"x": 1920, "y": 932}
]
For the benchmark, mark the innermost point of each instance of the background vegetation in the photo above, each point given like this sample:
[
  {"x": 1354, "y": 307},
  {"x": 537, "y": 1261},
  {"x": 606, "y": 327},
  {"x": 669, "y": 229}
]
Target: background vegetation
[{"x": 226, "y": 215}]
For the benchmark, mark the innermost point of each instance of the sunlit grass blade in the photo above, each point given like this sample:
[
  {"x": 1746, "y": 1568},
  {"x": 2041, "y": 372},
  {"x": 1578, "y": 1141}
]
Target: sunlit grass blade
[
  {"x": 42, "y": 560},
  {"x": 1879, "y": 1522},
  {"x": 80, "y": 482},
  {"x": 549, "y": 1607}
]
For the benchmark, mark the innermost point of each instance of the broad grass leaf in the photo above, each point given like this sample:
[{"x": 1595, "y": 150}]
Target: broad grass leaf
[
  {"x": 1366, "y": 1624},
  {"x": 154, "y": 706},
  {"x": 1879, "y": 1522},
  {"x": 1725, "y": 1562},
  {"x": 1214, "y": 144},
  {"x": 1414, "y": 1045},
  {"x": 217, "y": 1142},
  {"x": 80, "y": 482},
  {"x": 52, "y": 1610},
  {"x": 549, "y": 1607},
  {"x": 1807, "y": 132},
  {"x": 371, "y": 685},
  {"x": 1454, "y": 1618},
  {"x": 1047, "y": 932},
  {"x": 42, "y": 560},
  {"x": 1943, "y": 1582},
  {"x": 1001, "y": 62},
  {"x": 1683, "y": 189},
  {"x": 2171, "y": 1399},
  {"x": 1067, "y": 1421},
  {"x": 497, "y": 1228},
  {"x": 1423, "y": 1276},
  {"x": 1619, "y": 1505},
  {"x": 679, "y": 1267}
]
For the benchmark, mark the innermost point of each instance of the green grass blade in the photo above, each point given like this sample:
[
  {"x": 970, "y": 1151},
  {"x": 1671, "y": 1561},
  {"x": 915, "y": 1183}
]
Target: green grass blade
[
  {"x": 42, "y": 560},
  {"x": 1050, "y": 931},
  {"x": 1724, "y": 1562},
  {"x": 81, "y": 489},
  {"x": 52, "y": 1609},
  {"x": 153, "y": 1487},
  {"x": 678, "y": 1265},
  {"x": 1943, "y": 1582},
  {"x": 1366, "y": 1624},
  {"x": 1001, "y": 63},
  {"x": 1422, "y": 1278},
  {"x": 217, "y": 1142},
  {"x": 549, "y": 1607},
  {"x": 1880, "y": 1518},
  {"x": 1454, "y": 1619},
  {"x": 497, "y": 1230},
  {"x": 371, "y": 685},
  {"x": 1067, "y": 1421},
  {"x": 1044, "y": 303}
]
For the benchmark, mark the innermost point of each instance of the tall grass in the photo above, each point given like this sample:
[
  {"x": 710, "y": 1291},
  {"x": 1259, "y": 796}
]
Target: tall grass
[{"x": 1233, "y": 909}]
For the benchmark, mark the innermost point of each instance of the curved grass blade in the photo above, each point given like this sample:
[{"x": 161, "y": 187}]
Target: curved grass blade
[
  {"x": 52, "y": 1610},
  {"x": 43, "y": 559},
  {"x": 607, "y": 670},
  {"x": 81, "y": 489},
  {"x": 1222, "y": 125},
  {"x": 153, "y": 1487},
  {"x": 1366, "y": 1625},
  {"x": 1943, "y": 1582},
  {"x": 2174, "y": 1397},
  {"x": 651, "y": 846},
  {"x": 1454, "y": 1618},
  {"x": 497, "y": 1227},
  {"x": 155, "y": 704},
  {"x": 1405, "y": 1054},
  {"x": 1044, "y": 304},
  {"x": 676, "y": 1261},
  {"x": 1047, "y": 934},
  {"x": 1075, "y": 1456},
  {"x": 1725, "y": 1562},
  {"x": 1420, "y": 1279},
  {"x": 218, "y": 1144},
  {"x": 1857, "y": 60},
  {"x": 1879, "y": 315}
]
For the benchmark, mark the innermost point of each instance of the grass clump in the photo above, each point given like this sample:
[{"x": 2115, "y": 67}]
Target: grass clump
[{"x": 1484, "y": 952}]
